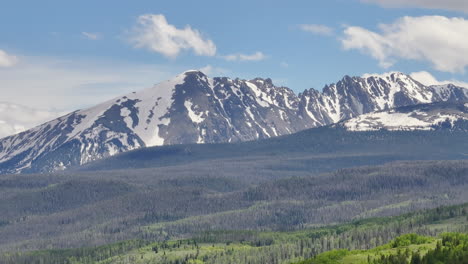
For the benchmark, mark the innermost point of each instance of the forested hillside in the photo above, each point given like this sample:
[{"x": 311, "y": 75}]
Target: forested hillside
[
  {"x": 95, "y": 208},
  {"x": 357, "y": 241},
  {"x": 315, "y": 150},
  {"x": 149, "y": 132},
  {"x": 407, "y": 249}
]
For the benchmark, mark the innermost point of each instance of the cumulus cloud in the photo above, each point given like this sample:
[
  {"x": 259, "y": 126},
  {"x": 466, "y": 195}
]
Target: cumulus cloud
[
  {"x": 426, "y": 78},
  {"x": 257, "y": 56},
  {"x": 91, "y": 36},
  {"x": 154, "y": 33},
  {"x": 7, "y": 60},
  {"x": 435, "y": 39},
  {"x": 453, "y": 5},
  {"x": 317, "y": 29},
  {"x": 16, "y": 118}
]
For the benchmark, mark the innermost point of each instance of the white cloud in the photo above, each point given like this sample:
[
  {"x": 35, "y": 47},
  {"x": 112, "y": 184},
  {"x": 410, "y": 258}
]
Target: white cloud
[
  {"x": 257, "y": 56},
  {"x": 211, "y": 71},
  {"x": 284, "y": 64},
  {"x": 426, "y": 78},
  {"x": 91, "y": 36},
  {"x": 317, "y": 29},
  {"x": 453, "y": 5},
  {"x": 17, "y": 118},
  {"x": 7, "y": 60},
  {"x": 280, "y": 81},
  {"x": 69, "y": 84},
  {"x": 154, "y": 33},
  {"x": 439, "y": 40}
]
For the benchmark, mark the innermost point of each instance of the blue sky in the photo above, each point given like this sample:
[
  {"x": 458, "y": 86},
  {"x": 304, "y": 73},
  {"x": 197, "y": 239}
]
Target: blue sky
[{"x": 62, "y": 55}]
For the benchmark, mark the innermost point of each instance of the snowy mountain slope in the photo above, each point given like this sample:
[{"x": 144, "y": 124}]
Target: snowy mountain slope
[
  {"x": 446, "y": 115},
  {"x": 353, "y": 96},
  {"x": 449, "y": 92},
  {"x": 90, "y": 134},
  {"x": 192, "y": 108}
]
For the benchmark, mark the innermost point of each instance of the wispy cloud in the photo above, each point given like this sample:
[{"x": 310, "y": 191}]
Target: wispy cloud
[
  {"x": 68, "y": 84},
  {"x": 452, "y": 5},
  {"x": 426, "y": 78},
  {"x": 211, "y": 70},
  {"x": 257, "y": 56},
  {"x": 16, "y": 118},
  {"x": 317, "y": 29},
  {"x": 438, "y": 40},
  {"x": 91, "y": 36},
  {"x": 7, "y": 60},
  {"x": 154, "y": 33}
]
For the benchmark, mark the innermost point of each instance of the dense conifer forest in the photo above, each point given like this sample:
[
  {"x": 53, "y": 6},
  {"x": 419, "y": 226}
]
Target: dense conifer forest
[
  {"x": 91, "y": 209},
  {"x": 374, "y": 240},
  {"x": 119, "y": 145},
  {"x": 280, "y": 200}
]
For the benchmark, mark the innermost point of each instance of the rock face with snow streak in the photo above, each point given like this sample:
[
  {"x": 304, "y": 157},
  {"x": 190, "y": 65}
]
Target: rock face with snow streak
[
  {"x": 353, "y": 96},
  {"x": 442, "y": 115},
  {"x": 192, "y": 108}
]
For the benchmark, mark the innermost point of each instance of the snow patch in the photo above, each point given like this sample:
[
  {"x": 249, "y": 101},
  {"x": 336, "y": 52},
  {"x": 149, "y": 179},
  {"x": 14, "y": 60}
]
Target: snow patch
[
  {"x": 392, "y": 121},
  {"x": 125, "y": 113},
  {"x": 196, "y": 118},
  {"x": 261, "y": 97}
]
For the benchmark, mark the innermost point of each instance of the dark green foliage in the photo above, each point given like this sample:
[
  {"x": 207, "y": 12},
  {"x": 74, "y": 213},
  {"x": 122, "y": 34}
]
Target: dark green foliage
[
  {"x": 277, "y": 247},
  {"x": 409, "y": 239},
  {"x": 453, "y": 249},
  {"x": 89, "y": 208},
  {"x": 330, "y": 257}
]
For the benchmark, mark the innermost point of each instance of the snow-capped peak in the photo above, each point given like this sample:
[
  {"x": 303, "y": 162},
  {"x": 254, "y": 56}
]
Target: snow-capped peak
[
  {"x": 387, "y": 75},
  {"x": 192, "y": 72},
  {"x": 192, "y": 108}
]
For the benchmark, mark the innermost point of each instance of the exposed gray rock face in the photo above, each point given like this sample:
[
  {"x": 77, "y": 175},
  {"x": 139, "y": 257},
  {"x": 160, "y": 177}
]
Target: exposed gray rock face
[
  {"x": 353, "y": 96},
  {"x": 192, "y": 108}
]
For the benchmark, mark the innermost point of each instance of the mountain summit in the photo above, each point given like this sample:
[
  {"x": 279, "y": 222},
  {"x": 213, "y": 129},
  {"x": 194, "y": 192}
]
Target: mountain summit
[{"x": 192, "y": 108}]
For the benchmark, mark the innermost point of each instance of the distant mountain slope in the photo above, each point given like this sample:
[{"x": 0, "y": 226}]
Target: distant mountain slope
[
  {"x": 192, "y": 108},
  {"x": 434, "y": 116},
  {"x": 314, "y": 150},
  {"x": 353, "y": 96}
]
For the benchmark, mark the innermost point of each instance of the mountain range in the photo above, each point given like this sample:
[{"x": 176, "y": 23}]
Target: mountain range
[
  {"x": 434, "y": 116},
  {"x": 192, "y": 108}
]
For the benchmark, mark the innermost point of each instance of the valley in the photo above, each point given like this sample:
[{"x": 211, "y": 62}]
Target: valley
[
  {"x": 104, "y": 186},
  {"x": 194, "y": 109},
  {"x": 237, "y": 132}
]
